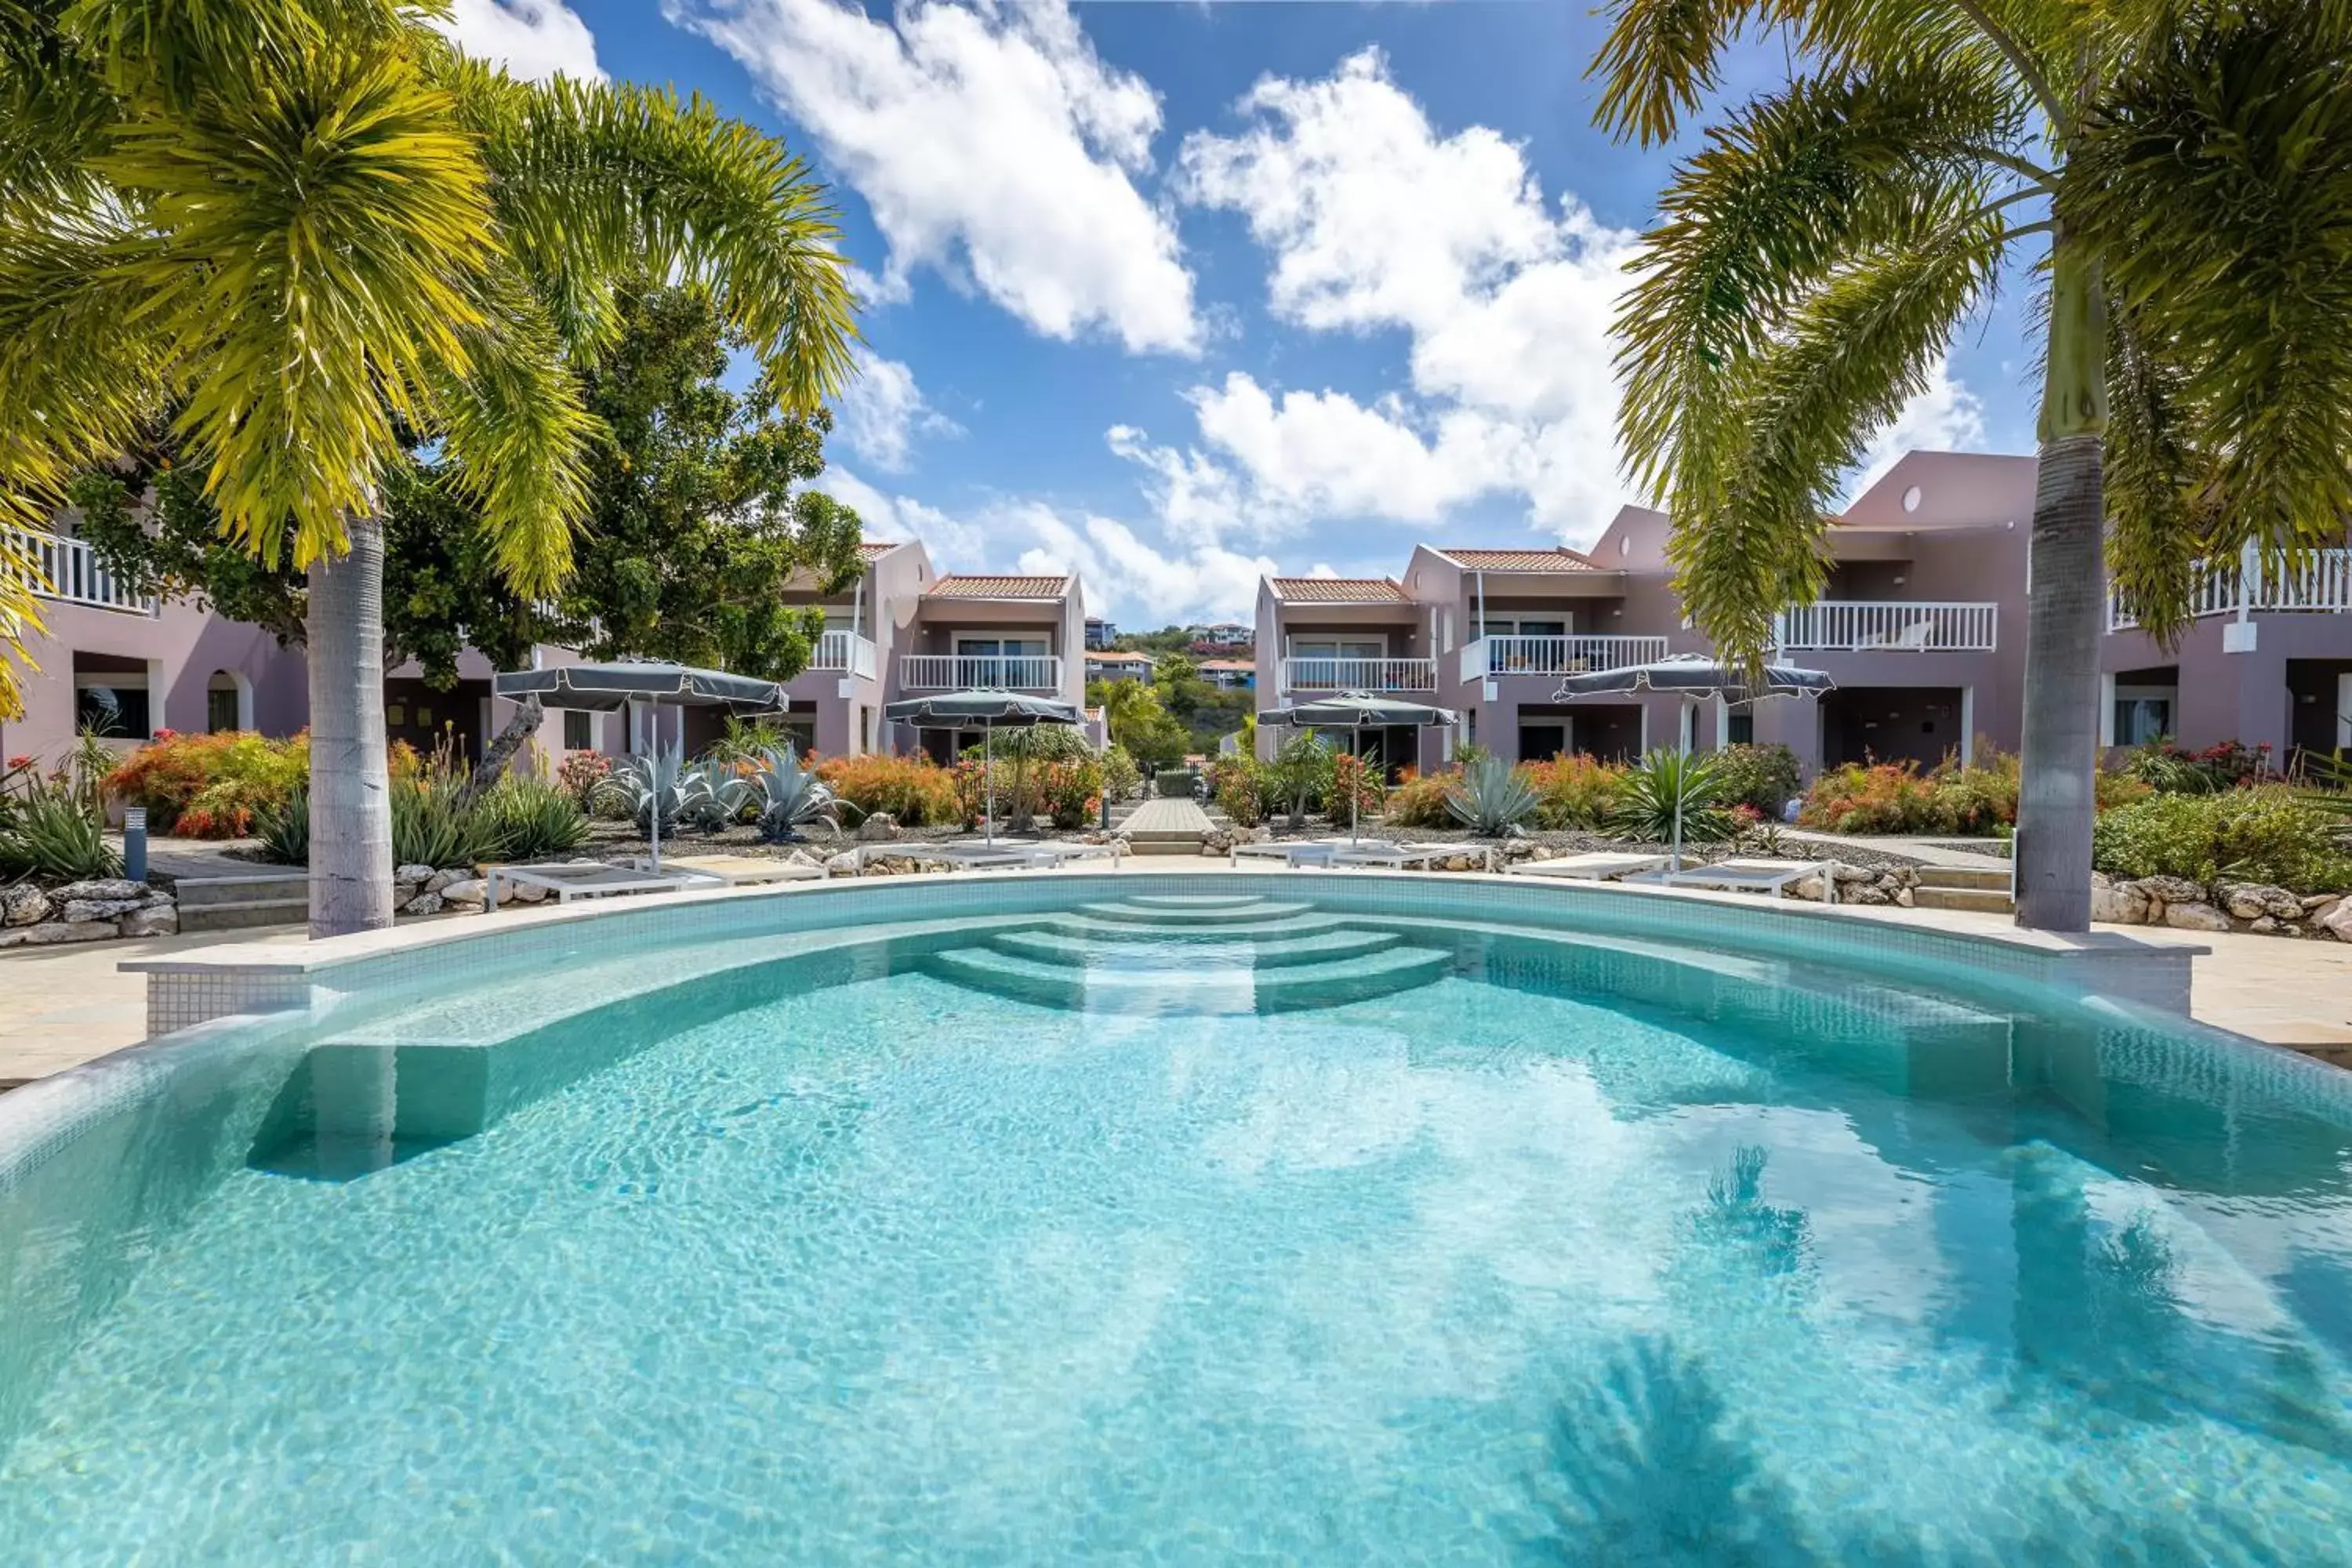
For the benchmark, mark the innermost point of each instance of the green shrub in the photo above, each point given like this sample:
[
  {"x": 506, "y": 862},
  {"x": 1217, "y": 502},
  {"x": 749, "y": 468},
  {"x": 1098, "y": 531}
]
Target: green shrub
[
  {"x": 1241, "y": 790},
  {"x": 525, "y": 818},
  {"x": 1174, "y": 783},
  {"x": 2255, "y": 834},
  {"x": 284, "y": 828},
  {"x": 1299, "y": 776},
  {"x": 49, "y": 829},
  {"x": 1122, "y": 780},
  {"x": 1871, "y": 797},
  {"x": 915, "y": 791},
  {"x": 1646, "y": 807},
  {"x": 2171, "y": 770},
  {"x": 429, "y": 828},
  {"x": 1575, "y": 791},
  {"x": 1764, "y": 777}
]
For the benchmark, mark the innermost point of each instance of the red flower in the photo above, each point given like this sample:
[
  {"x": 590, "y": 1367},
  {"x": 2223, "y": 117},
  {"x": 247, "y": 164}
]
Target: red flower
[
  {"x": 19, "y": 762},
  {"x": 167, "y": 734}
]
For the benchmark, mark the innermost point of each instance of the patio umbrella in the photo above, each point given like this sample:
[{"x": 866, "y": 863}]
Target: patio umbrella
[
  {"x": 991, "y": 710},
  {"x": 1355, "y": 711},
  {"x": 1692, "y": 677},
  {"x": 609, "y": 687}
]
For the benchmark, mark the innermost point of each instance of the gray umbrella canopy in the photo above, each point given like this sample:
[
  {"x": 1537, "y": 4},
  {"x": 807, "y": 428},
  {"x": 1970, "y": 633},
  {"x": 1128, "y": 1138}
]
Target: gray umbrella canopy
[
  {"x": 608, "y": 688},
  {"x": 1696, "y": 674},
  {"x": 1352, "y": 711},
  {"x": 991, "y": 710},
  {"x": 1357, "y": 711}
]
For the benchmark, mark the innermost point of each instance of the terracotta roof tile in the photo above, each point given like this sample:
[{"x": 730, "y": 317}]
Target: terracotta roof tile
[
  {"x": 962, "y": 587},
  {"x": 1226, "y": 664},
  {"x": 875, "y": 549},
  {"x": 1337, "y": 590},
  {"x": 1554, "y": 560}
]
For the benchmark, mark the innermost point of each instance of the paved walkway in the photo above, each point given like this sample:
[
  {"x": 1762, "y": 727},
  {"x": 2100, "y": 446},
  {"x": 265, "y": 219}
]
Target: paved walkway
[
  {"x": 1927, "y": 851},
  {"x": 63, "y": 1006},
  {"x": 1161, "y": 815}
]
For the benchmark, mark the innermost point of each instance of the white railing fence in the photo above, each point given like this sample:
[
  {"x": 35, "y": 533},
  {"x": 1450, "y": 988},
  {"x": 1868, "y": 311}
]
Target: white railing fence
[
  {"x": 979, "y": 673},
  {"x": 844, "y": 652},
  {"x": 1360, "y": 675},
  {"x": 1566, "y": 655},
  {"x": 2297, "y": 582},
  {"x": 1904, "y": 626},
  {"x": 70, "y": 572}
]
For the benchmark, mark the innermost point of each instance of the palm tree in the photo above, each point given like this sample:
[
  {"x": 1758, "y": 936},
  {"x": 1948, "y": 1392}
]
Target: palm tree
[
  {"x": 2176, "y": 179},
  {"x": 305, "y": 227}
]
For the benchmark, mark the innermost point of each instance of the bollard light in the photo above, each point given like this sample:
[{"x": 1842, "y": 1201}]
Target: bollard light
[{"x": 134, "y": 843}]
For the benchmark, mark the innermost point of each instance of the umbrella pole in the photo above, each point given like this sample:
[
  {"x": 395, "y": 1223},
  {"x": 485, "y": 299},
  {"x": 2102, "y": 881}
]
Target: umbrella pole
[
  {"x": 988, "y": 776},
  {"x": 1355, "y": 792},
  {"x": 660, "y": 790}
]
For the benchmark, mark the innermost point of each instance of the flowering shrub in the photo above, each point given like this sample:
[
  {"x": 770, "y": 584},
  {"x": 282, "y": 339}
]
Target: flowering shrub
[
  {"x": 916, "y": 791},
  {"x": 1764, "y": 777},
  {"x": 1239, "y": 790},
  {"x": 1349, "y": 776},
  {"x": 1068, "y": 793},
  {"x": 580, "y": 773},
  {"x": 207, "y": 786},
  {"x": 1418, "y": 799},
  {"x": 2231, "y": 764},
  {"x": 1575, "y": 791},
  {"x": 1896, "y": 797}
]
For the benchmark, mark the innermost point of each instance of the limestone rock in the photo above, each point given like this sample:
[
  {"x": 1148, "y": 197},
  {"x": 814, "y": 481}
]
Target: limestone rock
[
  {"x": 878, "y": 826},
  {"x": 153, "y": 920},
  {"x": 2190, "y": 916},
  {"x": 842, "y": 864},
  {"x": 471, "y": 892},
  {"x": 1845, "y": 873},
  {"x": 1906, "y": 898},
  {"x": 521, "y": 893},
  {"x": 2337, "y": 921},
  {"x": 2255, "y": 900},
  {"x": 440, "y": 880},
  {"x": 1807, "y": 888},
  {"x": 803, "y": 857},
  {"x": 2262, "y": 925},
  {"x": 99, "y": 889},
  {"x": 23, "y": 905},
  {"x": 2317, "y": 904},
  {"x": 2174, "y": 890},
  {"x": 1863, "y": 893},
  {"x": 2120, "y": 903},
  {"x": 79, "y": 909},
  {"x": 413, "y": 872},
  {"x": 50, "y": 932},
  {"x": 423, "y": 904}
]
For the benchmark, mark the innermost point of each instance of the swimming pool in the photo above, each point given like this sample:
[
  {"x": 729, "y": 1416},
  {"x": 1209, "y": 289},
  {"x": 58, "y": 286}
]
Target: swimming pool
[{"x": 1312, "y": 1219}]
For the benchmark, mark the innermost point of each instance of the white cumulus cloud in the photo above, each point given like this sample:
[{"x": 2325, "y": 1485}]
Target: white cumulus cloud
[
  {"x": 990, "y": 142},
  {"x": 1125, "y": 574},
  {"x": 533, "y": 39},
  {"x": 1946, "y": 416},
  {"x": 882, "y": 411},
  {"x": 1373, "y": 219}
]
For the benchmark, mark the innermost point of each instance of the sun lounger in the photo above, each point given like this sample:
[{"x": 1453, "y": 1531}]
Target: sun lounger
[
  {"x": 969, "y": 857},
  {"x": 1597, "y": 867},
  {"x": 1771, "y": 877},
  {"x": 1291, "y": 852},
  {"x": 733, "y": 871},
  {"x": 578, "y": 880},
  {"x": 1063, "y": 851},
  {"x": 1383, "y": 852}
]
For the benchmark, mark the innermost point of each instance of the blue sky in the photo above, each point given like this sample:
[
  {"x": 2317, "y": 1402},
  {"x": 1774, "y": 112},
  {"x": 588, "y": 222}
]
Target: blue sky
[{"x": 1173, "y": 294}]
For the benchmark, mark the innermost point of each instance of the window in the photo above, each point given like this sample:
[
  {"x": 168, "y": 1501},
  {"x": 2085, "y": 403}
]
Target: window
[
  {"x": 220, "y": 709},
  {"x": 2140, "y": 720},
  {"x": 1739, "y": 729},
  {"x": 119, "y": 712},
  {"x": 1525, "y": 627},
  {"x": 579, "y": 731}
]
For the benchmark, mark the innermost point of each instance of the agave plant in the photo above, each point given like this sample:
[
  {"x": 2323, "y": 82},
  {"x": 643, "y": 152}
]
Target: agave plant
[
  {"x": 1493, "y": 797},
  {"x": 791, "y": 795},
  {"x": 713, "y": 794},
  {"x": 1672, "y": 784},
  {"x": 651, "y": 788}
]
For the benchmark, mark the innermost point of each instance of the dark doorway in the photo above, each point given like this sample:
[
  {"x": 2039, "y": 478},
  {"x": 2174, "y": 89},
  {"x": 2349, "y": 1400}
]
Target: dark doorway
[
  {"x": 1890, "y": 725},
  {"x": 427, "y": 718},
  {"x": 110, "y": 696},
  {"x": 1541, "y": 739},
  {"x": 1610, "y": 731},
  {"x": 2319, "y": 705}
]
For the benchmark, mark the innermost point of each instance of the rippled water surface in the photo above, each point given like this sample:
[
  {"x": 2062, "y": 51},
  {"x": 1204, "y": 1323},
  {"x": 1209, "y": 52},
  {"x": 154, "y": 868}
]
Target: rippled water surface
[{"x": 1491, "y": 1267}]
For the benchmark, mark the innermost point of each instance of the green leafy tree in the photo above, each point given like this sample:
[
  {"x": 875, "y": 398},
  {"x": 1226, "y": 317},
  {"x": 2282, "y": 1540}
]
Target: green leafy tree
[
  {"x": 2177, "y": 181},
  {"x": 302, "y": 228},
  {"x": 1135, "y": 720}
]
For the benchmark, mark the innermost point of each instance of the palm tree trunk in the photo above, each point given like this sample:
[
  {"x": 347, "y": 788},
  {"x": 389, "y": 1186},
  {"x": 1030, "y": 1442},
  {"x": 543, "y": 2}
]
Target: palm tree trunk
[
  {"x": 2056, "y": 802},
  {"x": 351, "y": 799}
]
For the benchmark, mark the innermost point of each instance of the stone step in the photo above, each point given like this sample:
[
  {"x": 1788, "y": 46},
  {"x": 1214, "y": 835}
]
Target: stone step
[
  {"x": 197, "y": 892},
  {"x": 1221, "y": 990},
  {"x": 1177, "y": 929},
  {"x": 1073, "y": 950},
  {"x": 1996, "y": 878},
  {"x": 1164, "y": 847},
  {"x": 1984, "y": 901},
  {"x": 243, "y": 914}
]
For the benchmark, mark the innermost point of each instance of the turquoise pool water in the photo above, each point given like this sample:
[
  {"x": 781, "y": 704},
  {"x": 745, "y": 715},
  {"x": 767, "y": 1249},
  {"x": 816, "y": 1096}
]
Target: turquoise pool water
[{"x": 1225, "y": 1233}]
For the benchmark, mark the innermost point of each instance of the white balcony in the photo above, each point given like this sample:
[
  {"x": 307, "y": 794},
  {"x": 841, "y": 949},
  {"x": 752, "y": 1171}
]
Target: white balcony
[
  {"x": 1360, "y": 675},
  {"x": 979, "y": 673},
  {"x": 1894, "y": 626},
  {"x": 2299, "y": 582},
  {"x": 1490, "y": 656},
  {"x": 846, "y": 653},
  {"x": 68, "y": 572}
]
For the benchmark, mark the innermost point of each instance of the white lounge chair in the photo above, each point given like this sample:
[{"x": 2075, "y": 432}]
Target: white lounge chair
[
  {"x": 1063, "y": 852},
  {"x": 1771, "y": 877},
  {"x": 1600, "y": 866},
  {"x": 974, "y": 855},
  {"x": 1385, "y": 852},
  {"x": 570, "y": 879},
  {"x": 1293, "y": 852},
  {"x": 732, "y": 870}
]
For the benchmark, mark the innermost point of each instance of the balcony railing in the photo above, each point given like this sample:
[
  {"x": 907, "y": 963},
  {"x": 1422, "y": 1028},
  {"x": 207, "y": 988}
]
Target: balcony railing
[
  {"x": 1360, "y": 675},
  {"x": 1898, "y": 625},
  {"x": 979, "y": 673},
  {"x": 846, "y": 652},
  {"x": 2299, "y": 582},
  {"x": 70, "y": 572},
  {"x": 1491, "y": 657}
]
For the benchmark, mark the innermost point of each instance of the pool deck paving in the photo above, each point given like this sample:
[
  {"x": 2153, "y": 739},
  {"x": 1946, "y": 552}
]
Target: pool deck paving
[{"x": 60, "y": 1006}]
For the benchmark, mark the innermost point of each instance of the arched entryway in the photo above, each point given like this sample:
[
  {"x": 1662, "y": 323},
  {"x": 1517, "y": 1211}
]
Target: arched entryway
[{"x": 228, "y": 701}]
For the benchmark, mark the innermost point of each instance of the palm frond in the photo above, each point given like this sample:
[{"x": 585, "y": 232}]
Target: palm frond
[
  {"x": 317, "y": 246},
  {"x": 2157, "y": 523},
  {"x": 1658, "y": 62},
  {"x": 2215, "y": 180},
  {"x": 20, "y": 617}
]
